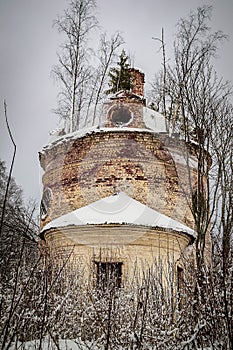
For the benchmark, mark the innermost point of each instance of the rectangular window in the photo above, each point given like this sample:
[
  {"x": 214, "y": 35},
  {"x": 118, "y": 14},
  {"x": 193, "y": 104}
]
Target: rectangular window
[
  {"x": 180, "y": 286},
  {"x": 108, "y": 274}
]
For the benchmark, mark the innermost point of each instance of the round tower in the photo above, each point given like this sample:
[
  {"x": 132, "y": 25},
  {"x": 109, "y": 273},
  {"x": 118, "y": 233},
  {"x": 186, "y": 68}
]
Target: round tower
[{"x": 118, "y": 194}]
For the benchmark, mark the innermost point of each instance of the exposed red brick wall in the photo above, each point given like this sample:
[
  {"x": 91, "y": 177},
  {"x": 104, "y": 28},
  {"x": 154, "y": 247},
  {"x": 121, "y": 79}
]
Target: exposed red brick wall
[
  {"x": 138, "y": 80},
  {"x": 98, "y": 165}
]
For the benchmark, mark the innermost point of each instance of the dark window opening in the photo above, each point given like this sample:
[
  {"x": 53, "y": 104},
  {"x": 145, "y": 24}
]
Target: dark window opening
[
  {"x": 108, "y": 274},
  {"x": 45, "y": 202},
  {"x": 121, "y": 116},
  {"x": 180, "y": 286}
]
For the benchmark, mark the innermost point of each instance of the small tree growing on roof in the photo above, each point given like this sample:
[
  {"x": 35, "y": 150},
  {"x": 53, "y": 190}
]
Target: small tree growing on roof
[{"x": 120, "y": 76}]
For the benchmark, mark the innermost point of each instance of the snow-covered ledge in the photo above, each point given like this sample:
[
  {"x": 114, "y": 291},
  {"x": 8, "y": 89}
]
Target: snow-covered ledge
[{"x": 118, "y": 209}]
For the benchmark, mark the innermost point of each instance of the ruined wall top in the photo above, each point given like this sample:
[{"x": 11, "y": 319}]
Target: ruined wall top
[{"x": 138, "y": 80}]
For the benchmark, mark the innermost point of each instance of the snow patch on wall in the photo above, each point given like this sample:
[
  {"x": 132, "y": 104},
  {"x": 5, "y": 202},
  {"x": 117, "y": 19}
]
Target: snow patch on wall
[
  {"x": 184, "y": 158},
  {"x": 154, "y": 120}
]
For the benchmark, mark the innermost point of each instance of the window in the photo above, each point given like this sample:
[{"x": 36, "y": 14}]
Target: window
[
  {"x": 180, "y": 286},
  {"x": 121, "y": 115},
  {"x": 108, "y": 274},
  {"x": 45, "y": 202}
]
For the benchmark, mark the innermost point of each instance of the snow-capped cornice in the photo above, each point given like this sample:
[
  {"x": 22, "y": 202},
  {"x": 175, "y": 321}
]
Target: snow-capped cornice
[{"x": 118, "y": 209}]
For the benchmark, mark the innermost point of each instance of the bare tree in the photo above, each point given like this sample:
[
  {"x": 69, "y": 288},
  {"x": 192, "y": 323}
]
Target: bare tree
[
  {"x": 162, "y": 94},
  {"x": 49, "y": 303},
  {"x": 107, "y": 53},
  {"x": 73, "y": 70},
  {"x": 97, "y": 85},
  {"x": 195, "y": 99},
  {"x": 18, "y": 254},
  {"x": 3, "y": 176}
]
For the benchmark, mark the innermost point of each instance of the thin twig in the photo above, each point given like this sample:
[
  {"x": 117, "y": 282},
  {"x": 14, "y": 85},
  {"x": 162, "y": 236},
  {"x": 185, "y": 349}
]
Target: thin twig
[{"x": 11, "y": 167}]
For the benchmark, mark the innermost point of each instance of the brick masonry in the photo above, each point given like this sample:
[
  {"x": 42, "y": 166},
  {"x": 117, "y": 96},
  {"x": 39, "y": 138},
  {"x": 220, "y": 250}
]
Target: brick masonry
[
  {"x": 138, "y": 80},
  {"x": 132, "y": 105},
  {"x": 98, "y": 165},
  {"x": 149, "y": 167}
]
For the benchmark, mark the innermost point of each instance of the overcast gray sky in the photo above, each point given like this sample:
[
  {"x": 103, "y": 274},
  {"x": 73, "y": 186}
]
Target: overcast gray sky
[{"x": 28, "y": 45}]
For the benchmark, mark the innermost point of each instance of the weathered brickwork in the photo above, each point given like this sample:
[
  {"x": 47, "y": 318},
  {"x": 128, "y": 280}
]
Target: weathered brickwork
[
  {"x": 101, "y": 164},
  {"x": 138, "y": 80},
  {"x": 132, "y": 105},
  {"x": 152, "y": 168}
]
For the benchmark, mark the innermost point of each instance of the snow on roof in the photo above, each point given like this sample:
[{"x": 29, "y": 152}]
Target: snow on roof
[
  {"x": 88, "y": 131},
  {"x": 154, "y": 120},
  {"x": 118, "y": 209},
  {"x": 183, "y": 158},
  {"x": 125, "y": 93},
  {"x": 57, "y": 139}
]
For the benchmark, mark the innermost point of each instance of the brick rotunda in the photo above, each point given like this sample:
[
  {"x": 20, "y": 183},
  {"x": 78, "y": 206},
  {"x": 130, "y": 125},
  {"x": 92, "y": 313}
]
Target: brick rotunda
[{"x": 117, "y": 195}]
